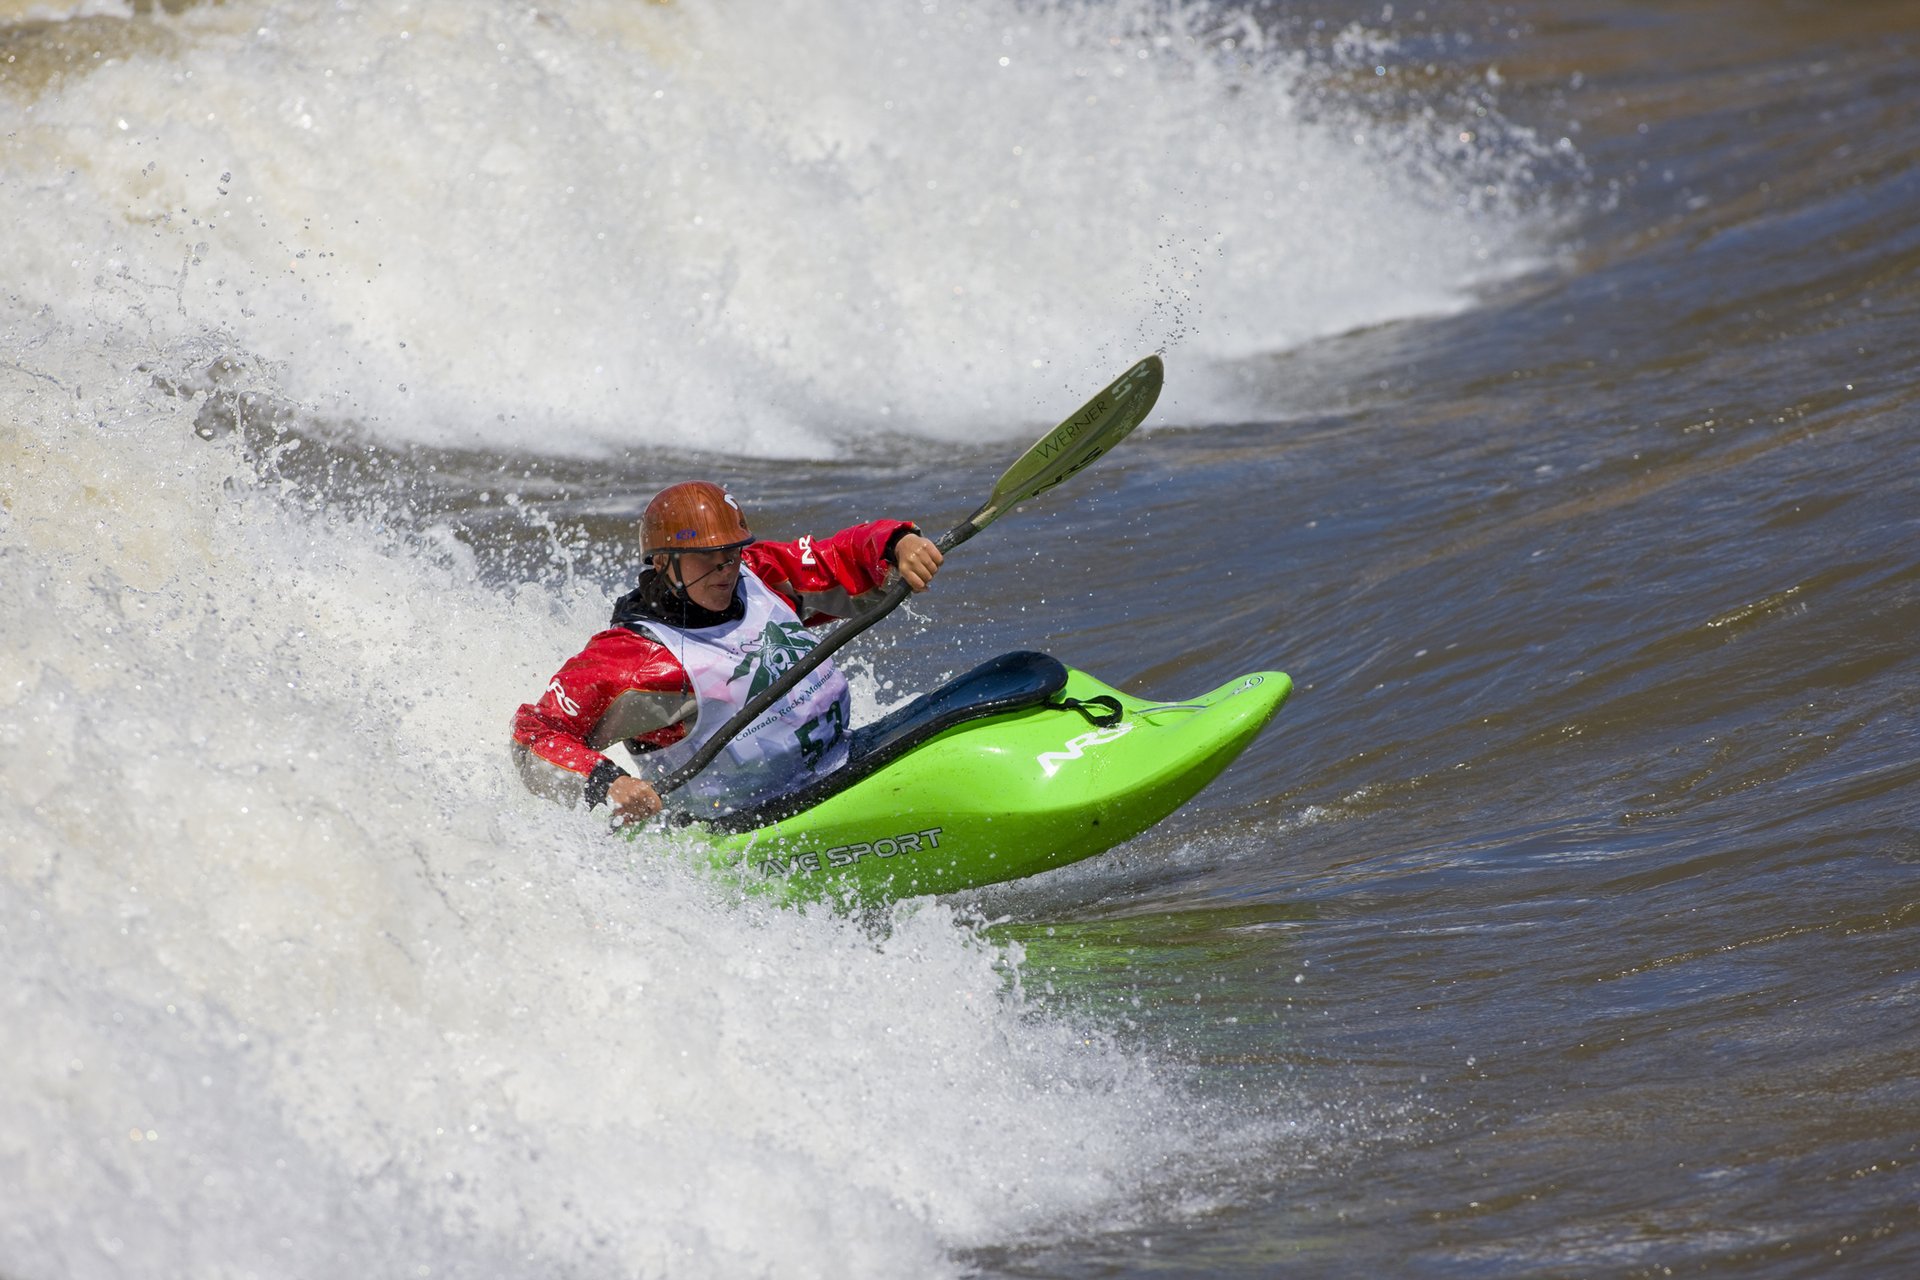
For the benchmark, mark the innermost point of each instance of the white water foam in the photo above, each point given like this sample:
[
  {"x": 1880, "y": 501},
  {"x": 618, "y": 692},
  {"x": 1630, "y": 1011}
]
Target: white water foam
[
  {"x": 301, "y": 983},
  {"x": 755, "y": 227}
]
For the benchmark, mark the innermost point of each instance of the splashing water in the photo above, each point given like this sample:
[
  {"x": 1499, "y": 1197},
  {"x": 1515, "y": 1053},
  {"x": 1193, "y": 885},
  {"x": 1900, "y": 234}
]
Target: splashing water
[{"x": 733, "y": 228}]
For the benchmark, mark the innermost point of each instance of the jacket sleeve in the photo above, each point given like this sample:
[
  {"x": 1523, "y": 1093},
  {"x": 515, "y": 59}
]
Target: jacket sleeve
[
  {"x": 823, "y": 577},
  {"x": 621, "y": 686}
]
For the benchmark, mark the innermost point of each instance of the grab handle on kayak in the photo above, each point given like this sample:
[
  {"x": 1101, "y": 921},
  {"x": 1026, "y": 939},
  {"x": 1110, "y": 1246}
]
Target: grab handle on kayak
[{"x": 1100, "y": 710}]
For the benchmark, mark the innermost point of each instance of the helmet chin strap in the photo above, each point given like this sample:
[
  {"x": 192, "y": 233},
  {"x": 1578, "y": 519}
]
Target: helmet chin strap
[{"x": 676, "y": 580}]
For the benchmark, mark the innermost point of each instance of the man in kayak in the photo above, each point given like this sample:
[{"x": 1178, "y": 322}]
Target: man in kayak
[{"x": 717, "y": 616}]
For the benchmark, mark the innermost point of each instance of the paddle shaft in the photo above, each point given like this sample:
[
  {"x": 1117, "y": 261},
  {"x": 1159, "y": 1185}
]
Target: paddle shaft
[{"x": 1069, "y": 447}]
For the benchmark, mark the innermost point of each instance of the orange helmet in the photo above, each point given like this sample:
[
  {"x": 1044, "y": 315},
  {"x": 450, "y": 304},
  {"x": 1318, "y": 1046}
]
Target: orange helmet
[{"x": 694, "y": 516}]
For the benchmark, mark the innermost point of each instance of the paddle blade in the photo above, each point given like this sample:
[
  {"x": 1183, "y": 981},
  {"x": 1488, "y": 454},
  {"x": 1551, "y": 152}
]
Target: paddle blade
[{"x": 1100, "y": 423}]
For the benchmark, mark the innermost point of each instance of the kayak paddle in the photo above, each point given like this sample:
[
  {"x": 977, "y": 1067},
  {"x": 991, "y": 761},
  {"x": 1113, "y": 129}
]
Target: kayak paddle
[{"x": 1093, "y": 428}]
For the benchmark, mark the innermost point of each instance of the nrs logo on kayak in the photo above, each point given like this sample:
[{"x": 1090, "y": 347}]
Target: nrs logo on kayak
[{"x": 845, "y": 855}]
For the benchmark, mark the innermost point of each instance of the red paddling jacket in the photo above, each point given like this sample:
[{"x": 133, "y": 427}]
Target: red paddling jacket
[{"x": 627, "y": 687}]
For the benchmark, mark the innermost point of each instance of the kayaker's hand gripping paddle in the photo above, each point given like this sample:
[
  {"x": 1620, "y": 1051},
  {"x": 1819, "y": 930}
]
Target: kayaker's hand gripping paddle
[{"x": 1094, "y": 428}]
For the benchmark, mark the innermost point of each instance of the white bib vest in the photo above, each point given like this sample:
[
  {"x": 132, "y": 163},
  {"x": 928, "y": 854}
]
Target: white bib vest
[{"x": 801, "y": 737}]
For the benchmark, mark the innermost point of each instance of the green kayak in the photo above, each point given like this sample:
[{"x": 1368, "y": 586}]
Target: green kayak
[{"x": 1020, "y": 766}]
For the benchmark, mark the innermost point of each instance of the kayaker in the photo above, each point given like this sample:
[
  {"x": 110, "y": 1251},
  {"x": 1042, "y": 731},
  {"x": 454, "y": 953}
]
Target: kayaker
[{"x": 717, "y": 616}]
